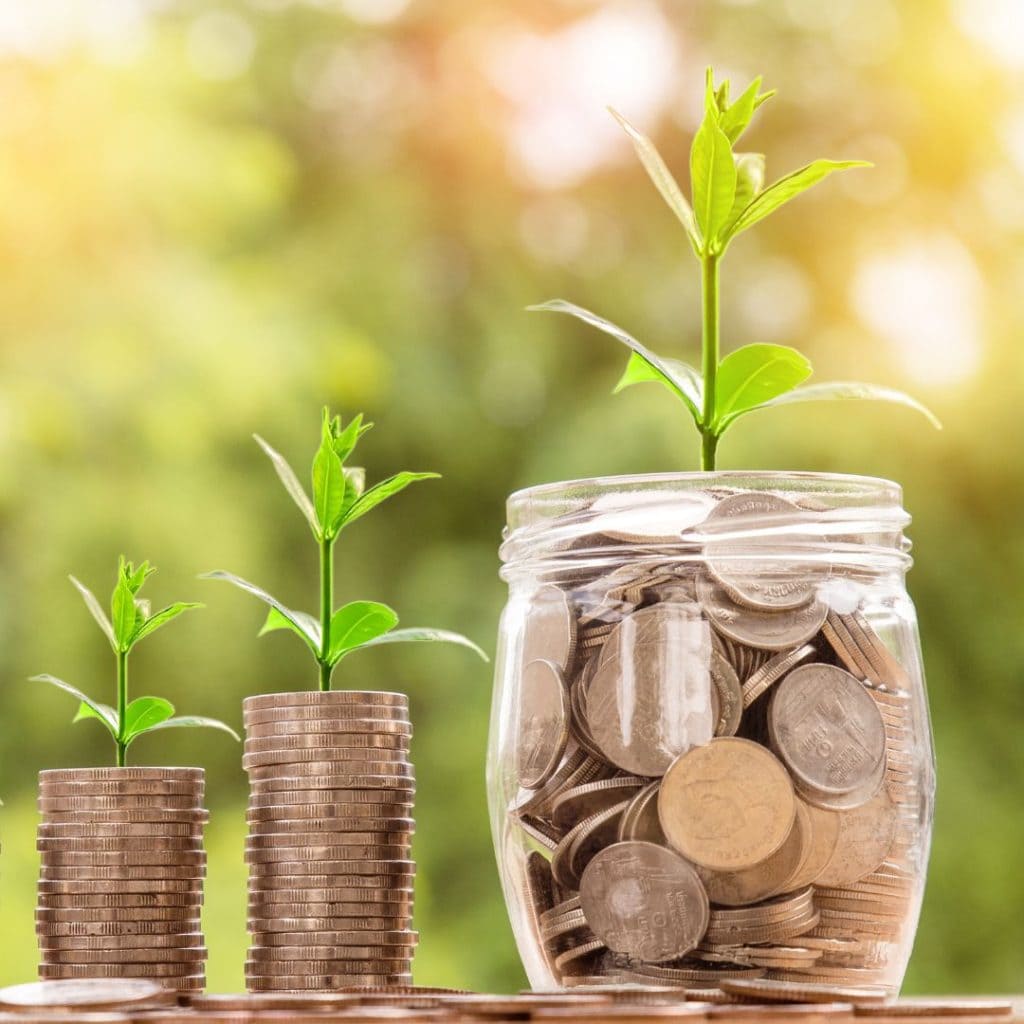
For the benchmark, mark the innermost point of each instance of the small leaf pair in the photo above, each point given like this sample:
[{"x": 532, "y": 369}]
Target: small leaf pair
[
  {"x": 338, "y": 499},
  {"x": 130, "y": 621},
  {"x": 727, "y": 197}
]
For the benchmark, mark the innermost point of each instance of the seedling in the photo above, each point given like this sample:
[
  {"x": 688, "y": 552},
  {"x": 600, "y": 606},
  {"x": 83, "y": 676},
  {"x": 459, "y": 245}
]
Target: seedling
[
  {"x": 130, "y": 621},
  {"x": 728, "y": 197},
  {"x": 339, "y": 499}
]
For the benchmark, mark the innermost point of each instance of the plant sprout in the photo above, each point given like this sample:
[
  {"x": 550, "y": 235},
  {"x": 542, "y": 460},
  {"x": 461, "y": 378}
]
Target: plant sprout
[
  {"x": 339, "y": 499},
  {"x": 727, "y": 197},
  {"x": 130, "y": 621}
]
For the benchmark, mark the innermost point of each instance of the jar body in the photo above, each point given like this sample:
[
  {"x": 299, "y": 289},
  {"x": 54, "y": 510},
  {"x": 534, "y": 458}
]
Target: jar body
[{"x": 710, "y": 751}]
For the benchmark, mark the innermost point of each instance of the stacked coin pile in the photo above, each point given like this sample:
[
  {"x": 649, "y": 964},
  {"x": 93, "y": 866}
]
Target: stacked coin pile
[
  {"x": 330, "y": 827},
  {"x": 721, "y": 766},
  {"x": 121, "y": 882}
]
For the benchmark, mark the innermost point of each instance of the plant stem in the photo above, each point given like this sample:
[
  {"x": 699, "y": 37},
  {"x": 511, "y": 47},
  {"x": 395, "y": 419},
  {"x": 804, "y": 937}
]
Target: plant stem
[
  {"x": 709, "y": 357},
  {"x": 326, "y": 607},
  {"x": 122, "y": 706}
]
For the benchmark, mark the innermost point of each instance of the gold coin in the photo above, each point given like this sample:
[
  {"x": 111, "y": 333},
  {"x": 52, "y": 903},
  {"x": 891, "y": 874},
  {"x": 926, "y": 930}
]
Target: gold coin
[
  {"x": 727, "y": 805},
  {"x": 91, "y": 994},
  {"x": 865, "y": 837},
  {"x": 824, "y": 831},
  {"x": 644, "y": 900}
]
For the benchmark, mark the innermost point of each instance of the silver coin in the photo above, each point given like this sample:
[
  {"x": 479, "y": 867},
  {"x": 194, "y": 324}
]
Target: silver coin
[{"x": 543, "y": 725}]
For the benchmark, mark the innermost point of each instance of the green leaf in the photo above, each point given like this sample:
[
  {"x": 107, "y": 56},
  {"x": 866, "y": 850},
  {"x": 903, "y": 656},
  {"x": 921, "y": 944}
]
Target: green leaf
[
  {"x": 308, "y": 627},
  {"x": 749, "y": 181},
  {"x": 753, "y": 375},
  {"x": 786, "y": 188},
  {"x": 684, "y": 382},
  {"x": 357, "y": 623},
  {"x": 346, "y": 440},
  {"x": 291, "y": 483},
  {"x": 684, "y": 376},
  {"x": 381, "y": 492},
  {"x": 299, "y": 621},
  {"x": 419, "y": 635},
  {"x": 712, "y": 179},
  {"x": 735, "y": 118},
  {"x": 196, "y": 722},
  {"x": 136, "y": 577},
  {"x": 328, "y": 482},
  {"x": 846, "y": 390},
  {"x": 663, "y": 179},
  {"x": 143, "y": 713},
  {"x": 105, "y": 714},
  {"x": 161, "y": 618},
  {"x": 122, "y": 608},
  {"x": 96, "y": 610}
]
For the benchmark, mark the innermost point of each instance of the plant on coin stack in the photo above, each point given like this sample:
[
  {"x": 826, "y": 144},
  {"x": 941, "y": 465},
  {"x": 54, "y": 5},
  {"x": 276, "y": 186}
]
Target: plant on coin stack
[
  {"x": 130, "y": 621},
  {"x": 728, "y": 196},
  {"x": 339, "y": 498}
]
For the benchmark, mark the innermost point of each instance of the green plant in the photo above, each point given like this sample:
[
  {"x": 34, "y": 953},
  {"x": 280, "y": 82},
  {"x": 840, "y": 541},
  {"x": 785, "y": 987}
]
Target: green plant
[
  {"x": 728, "y": 197},
  {"x": 339, "y": 499},
  {"x": 130, "y": 621}
]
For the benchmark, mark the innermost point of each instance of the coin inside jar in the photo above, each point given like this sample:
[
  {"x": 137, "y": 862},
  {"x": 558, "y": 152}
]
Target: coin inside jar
[
  {"x": 549, "y": 633},
  {"x": 650, "y": 698},
  {"x": 645, "y": 901},
  {"x": 727, "y": 805},
  {"x": 543, "y": 729},
  {"x": 865, "y": 837},
  {"x": 827, "y": 729}
]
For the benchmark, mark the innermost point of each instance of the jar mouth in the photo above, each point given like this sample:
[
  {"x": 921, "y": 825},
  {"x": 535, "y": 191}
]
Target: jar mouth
[{"x": 813, "y": 519}]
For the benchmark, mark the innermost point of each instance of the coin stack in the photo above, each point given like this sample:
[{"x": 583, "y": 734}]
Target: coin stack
[
  {"x": 719, "y": 770},
  {"x": 330, "y": 827},
  {"x": 121, "y": 882}
]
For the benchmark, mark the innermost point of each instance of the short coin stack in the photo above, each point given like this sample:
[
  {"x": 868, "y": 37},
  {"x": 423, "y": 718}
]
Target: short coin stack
[
  {"x": 330, "y": 826},
  {"x": 121, "y": 882}
]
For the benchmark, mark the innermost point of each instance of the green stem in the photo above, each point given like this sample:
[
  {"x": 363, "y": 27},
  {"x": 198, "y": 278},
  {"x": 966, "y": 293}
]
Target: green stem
[
  {"x": 122, "y": 706},
  {"x": 326, "y": 607},
  {"x": 709, "y": 358}
]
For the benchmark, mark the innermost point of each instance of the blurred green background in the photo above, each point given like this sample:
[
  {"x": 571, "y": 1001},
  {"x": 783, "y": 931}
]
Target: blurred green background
[{"x": 217, "y": 217}]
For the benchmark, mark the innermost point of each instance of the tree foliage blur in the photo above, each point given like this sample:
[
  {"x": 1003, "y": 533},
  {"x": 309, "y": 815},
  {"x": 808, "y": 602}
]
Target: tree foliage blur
[{"x": 219, "y": 217}]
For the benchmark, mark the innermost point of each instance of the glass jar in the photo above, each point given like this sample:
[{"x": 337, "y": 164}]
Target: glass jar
[{"x": 710, "y": 752}]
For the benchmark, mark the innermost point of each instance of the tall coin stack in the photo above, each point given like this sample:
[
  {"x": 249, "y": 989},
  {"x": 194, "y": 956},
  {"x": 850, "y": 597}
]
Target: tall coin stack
[
  {"x": 121, "y": 882},
  {"x": 330, "y": 826}
]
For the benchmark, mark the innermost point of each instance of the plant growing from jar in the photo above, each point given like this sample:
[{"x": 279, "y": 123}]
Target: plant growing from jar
[
  {"x": 130, "y": 621},
  {"x": 727, "y": 197},
  {"x": 339, "y": 499}
]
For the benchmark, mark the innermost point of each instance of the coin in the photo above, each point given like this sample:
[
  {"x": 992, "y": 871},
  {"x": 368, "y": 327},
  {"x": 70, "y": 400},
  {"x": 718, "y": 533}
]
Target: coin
[
  {"x": 824, "y": 834},
  {"x": 331, "y": 745},
  {"x": 727, "y": 805},
  {"x": 808, "y": 992},
  {"x": 134, "y": 815},
  {"x": 640, "y": 819},
  {"x": 190, "y": 775},
  {"x": 110, "y": 829},
  {"x": 581, "y": 842},
  {"x": 320, "y": 775},
  {"x": 766, "y": 878},
  {"x": 321, "y": 968},
  {"x": 349, "y": 901},
  {"x": 325, "y": 826},
  {"x": 130, "y": 886},
  {"x": 644, "y": 900},
  {"x": 161, "y": 801},
  {"x": 650, "y": 697},
  {"x": 327, "y": 727},
  {"x": 394, "y": 915},
  {"x": 331, "y": 759},
  {"x": 584, "y": 801},
  {"x": 265, "y": 840},
  {"x": 94, "y": 994},
  {"x": 169, "y": 940},
  {"x": 745, "y": 558},
  {"x": 47, "y": 915},
  {"x": 542, "y": 724},
  {"x": 772, "y": 671},
  {"x": 324, "y": 854},
  {"x": 116, "y": 844},
  {"x": 774, "y": 631},
  {"x": 320, "y": 983},
  {"x": 119, "y": 899},
  {"x": 135, "y": 857},
  {"x": 944, "y": 1007},
  {"x": 122, "y": 873},
  {"x": 142, "y": 955},
  {"x": 399, "y": 882},
  {"x": 730, "y": 695},
  {"x": 549, "y": 629},
  {"x": 323, "y": 699},
  {"x": 117, "y": 970},
  {"x": 865, "y": 837},
  {"x": 339, "y": 867},
  {"x": 827, "y": 730}
]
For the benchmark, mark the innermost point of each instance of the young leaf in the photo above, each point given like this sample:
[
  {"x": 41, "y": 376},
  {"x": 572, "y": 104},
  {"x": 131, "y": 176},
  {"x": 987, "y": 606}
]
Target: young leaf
[
  {"x": 417, "y": 635},
  {"x": 786, "y": 188},
  {"x": 682, "y": 384},
  {"x": 122, "y": 609},
  {"x": 845, "y": 390},
  {"x": 639, "y": 371},
  {"x": 143, "y": 714},
  {"x": 136, "y": 577},
  {"x": 153, "y": 622},
  {"x": 299, "y": 622},
  {"x": 663, "y": 179},
  {"x": 96, "y": 610},
  {"x": 753, "y": 375},
  {"x": 310, "y": 627},
  {"x": 291, "y": 483},
  {"x": 105, "y": 714},
  {"x": 713, "y": 180},
  {"x": 194, "y": 722},
  {"x": 749, "y": 181},
  {"x": 357, "y": 623},
  {"x": 346, "y": 440},
  {"x": 734, "y": 119},
  {"x": 381, "y": 492},
  {"x": 328, "y": 483}
]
